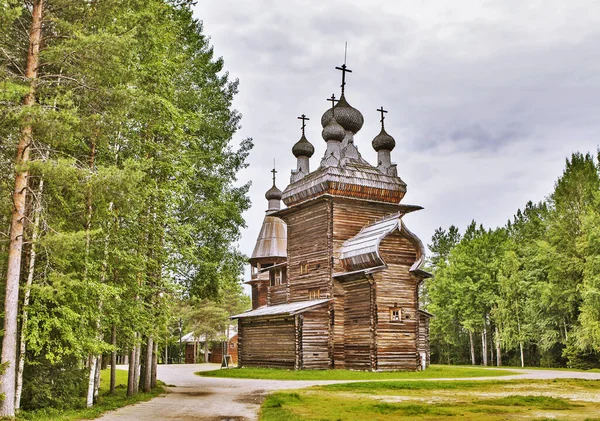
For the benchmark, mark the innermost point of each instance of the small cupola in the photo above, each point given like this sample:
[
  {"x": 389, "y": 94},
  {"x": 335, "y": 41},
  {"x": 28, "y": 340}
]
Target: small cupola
[
  {"x": 333, "y": 133},
  {"x": 302, "y": 150},
  {"x": 273, "y": 195},
  {"x": 383, "y": 144}
]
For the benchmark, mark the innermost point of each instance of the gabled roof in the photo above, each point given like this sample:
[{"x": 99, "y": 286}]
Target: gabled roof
[
  {"x": 283, "y": 309},
  {"x": 362, "y": 250}
]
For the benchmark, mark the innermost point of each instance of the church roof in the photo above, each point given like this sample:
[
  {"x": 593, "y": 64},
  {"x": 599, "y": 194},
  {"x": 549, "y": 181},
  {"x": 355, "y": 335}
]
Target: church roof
[
  {"x": 283, "y": 309},
  {"x": 353, "y": 178},
  {"x": 362, "y": 250},
  {"x": 271, "y": 241}
]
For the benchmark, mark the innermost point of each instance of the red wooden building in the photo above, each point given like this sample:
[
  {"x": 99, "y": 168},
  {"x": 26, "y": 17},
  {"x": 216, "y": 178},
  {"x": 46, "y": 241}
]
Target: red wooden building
[{"x": 336, "y": 274}]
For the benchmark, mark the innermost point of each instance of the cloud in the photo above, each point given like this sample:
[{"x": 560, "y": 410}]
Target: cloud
[{"x": 485, "y": 99}]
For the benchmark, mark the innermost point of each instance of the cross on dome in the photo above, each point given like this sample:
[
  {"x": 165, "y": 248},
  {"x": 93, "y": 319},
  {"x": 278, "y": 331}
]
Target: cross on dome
[
  {"x": 333, "y": 100},
  {"x": 274, "y": 171},
  {"x": 382, "y": 111},
  {"x": 344, "y": 70},
  {"x": 304, "y": 119}
]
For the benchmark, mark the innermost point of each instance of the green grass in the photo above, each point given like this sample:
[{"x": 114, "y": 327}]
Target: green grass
[
  {"x": 106, "y": 402},
  {"x": 539, "y": 402},
  {"x": 433, "y": 372},
  {"x": 496, "y": 400}
]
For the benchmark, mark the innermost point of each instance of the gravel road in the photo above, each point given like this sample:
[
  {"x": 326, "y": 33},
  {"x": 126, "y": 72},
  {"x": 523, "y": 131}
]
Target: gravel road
[{"x": 214, "y": 399}]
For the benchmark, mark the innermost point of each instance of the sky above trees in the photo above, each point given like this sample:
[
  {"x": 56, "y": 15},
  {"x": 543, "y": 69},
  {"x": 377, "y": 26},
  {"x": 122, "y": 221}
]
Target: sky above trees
[{"x": 485, "y": 99}]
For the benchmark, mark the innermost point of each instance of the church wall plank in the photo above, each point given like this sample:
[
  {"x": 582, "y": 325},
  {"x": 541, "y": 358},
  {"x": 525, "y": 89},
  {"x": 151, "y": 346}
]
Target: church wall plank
[
  {"x": 268, "y": 342},
  {"x": 397, "y": 288}
]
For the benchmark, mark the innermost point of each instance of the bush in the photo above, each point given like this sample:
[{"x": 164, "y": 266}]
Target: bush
[
  {"x": 57, "y": 386},
  {"x": 580, "y": 359}
]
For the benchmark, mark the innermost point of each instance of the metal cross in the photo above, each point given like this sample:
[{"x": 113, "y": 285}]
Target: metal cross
[
  {"x": 344, "y": 69},
  {"x": 381, "y": 110},
  {"x": 333, "y": 100},
  {"x": 304, "y": 118},
  {"x": 274, "y": 172}
]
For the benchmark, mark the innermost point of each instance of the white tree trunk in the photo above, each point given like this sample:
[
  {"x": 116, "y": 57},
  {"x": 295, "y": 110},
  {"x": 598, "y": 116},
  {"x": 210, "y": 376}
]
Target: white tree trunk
[
  {"x": 522, "y": 357},
  {"x": 138, "y": 357},
  {"x": 24, "y": 314},
  {"x": 148, "y": 365},
  {"x": 484, "y": 346},
  {"x": 473, "y": 361},
  {"x": 498, "y": 348},
  {"x": 92, "y": 361}
]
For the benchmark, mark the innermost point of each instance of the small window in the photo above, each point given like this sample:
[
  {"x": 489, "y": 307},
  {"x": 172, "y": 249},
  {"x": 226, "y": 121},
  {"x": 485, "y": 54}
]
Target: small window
[
  {"x": 275, "y": 277},
  {"x": 314, "y": 294},
  {"x": 395, "y": 314},
  {"x": 303, "y": 268}
]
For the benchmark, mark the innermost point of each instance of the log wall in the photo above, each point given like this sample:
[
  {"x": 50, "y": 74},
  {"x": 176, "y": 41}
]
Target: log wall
[
  {"x": 309, "y": 243},
  {"x": 358, "y": 333},
  {"x": 423, "y": 342},
  {"x": 278, "y": 294},
  {"x": 259, "y": 294},
  {"x": 267, "y": 343},
  {"x": 316, "y": 350},
  {"x": 396, "y": 287},
  {"x": 349, "y": 217}
]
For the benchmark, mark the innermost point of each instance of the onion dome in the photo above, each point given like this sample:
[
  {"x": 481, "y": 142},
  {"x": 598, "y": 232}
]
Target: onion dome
[
  {"x": 303, "y": 148},
  {"x": 383, "y": 141},
  {"x": 347, "y": 116},
  {"x": 273, "y": 193},
  {"x": 333, "y": 130}
]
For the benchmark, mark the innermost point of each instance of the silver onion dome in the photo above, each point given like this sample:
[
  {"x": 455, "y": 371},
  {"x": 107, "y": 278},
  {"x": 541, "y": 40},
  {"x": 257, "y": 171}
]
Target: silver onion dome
[
  {"x": 303, "y": 148},
  {"x": 333, "y": 130},
  {"x": 347, "y": 116},
  {"x": 273, "y": 193},
  {"x": 383, "y": 141}
]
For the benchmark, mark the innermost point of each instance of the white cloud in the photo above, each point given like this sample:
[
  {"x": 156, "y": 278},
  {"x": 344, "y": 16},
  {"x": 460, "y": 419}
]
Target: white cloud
[{"x": 486, "y": 98}]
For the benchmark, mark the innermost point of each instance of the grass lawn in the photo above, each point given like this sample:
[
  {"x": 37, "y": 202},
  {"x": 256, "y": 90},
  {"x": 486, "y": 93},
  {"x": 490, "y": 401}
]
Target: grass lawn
[
  {"x": 434, "y": 371},
  {"x": 105, "y": 403},
  {"x": 564, "y": 399}
]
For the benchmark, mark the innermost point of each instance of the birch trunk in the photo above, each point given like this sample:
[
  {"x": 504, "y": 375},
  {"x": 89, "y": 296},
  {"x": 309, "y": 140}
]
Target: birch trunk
[
  {"x": 472, "y": 343},
  {"x": 24, "y": 314},
  {"x": 148, "y": 365},
  {"x": 498, "y": 348},
  {"x": 113, "y": 360},
  {"x": 484, "y": 346},
  {"x": 154, "y": 366},
  {"x": 93, "y": 365},
  {"x": 131, "y": 372},
  {"x": 522, "y": 357},
  {"x": 13, "y": 271},
  {"x": 138, "y": 357}
]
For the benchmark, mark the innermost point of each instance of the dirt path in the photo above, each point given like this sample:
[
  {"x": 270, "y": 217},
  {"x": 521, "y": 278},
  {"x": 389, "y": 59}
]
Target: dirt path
[{"x": 213, "y": 399}]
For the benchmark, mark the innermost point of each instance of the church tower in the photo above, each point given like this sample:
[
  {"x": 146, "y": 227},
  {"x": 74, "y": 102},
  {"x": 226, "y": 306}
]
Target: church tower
[
  {"x": 350, "y": 297},
  {"x": 270, "y": 251}
]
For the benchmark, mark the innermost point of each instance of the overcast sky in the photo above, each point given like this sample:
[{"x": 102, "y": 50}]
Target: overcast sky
[{"x": 486, "y": 99}]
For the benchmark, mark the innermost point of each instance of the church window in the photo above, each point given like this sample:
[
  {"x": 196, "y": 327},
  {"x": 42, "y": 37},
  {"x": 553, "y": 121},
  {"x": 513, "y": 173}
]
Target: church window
[
  {"x": 395, "y": 314},
  {"x": 275, "y": 277},
  {"x": 314, "y": 294},
  {"x": 303, "y": 268}
]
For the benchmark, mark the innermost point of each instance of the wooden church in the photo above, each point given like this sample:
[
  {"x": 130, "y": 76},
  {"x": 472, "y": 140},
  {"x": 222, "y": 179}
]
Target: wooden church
[{"x": 335, "y": 275}]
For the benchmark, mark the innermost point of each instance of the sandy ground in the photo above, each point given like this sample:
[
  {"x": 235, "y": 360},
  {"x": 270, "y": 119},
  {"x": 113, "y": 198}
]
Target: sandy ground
[{"x": 214, "y": 399}]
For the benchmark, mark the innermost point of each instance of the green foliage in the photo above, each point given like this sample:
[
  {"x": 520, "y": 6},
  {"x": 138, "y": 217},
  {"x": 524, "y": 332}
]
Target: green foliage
[
  {"x": 534, "y": 283},
  {"x": 106, "y": 402},
  {"x": 141, "y": 206}
]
